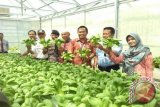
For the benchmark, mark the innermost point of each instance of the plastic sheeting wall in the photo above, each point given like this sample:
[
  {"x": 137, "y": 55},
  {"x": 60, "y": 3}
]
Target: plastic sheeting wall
[
  {"x": 141, "y": 16},
  {"x": 16, "y": 31}
]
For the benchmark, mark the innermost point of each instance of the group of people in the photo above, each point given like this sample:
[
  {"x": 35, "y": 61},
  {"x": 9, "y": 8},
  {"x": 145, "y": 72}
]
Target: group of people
[{"x": 137, "y": 59}]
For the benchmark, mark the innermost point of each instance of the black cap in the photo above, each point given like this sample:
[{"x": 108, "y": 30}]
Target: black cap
[
  {"x": 55, "y": 32},
  {"x": 40, "y": 31}
]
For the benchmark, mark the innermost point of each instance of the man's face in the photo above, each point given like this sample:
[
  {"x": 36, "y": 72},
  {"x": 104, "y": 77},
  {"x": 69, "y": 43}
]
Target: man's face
[
  {"x": 54, "y": 36},
  {"x": 32, "y": 35},
  {"x": 65, "y": 35},
  {"x": 107, "y": 34},
  {"x": 82, "y": 33},
  {"x": 1, "y": 36},
  {"x": 41, "y": 35}
]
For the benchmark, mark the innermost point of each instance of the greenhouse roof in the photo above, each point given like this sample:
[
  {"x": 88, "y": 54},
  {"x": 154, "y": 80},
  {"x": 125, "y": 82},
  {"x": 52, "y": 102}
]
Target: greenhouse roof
[{"x": 45, "y": 9}]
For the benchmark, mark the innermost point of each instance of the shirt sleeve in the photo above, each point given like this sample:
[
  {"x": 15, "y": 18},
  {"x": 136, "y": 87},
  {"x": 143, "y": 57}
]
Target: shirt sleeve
[
  {"x": 71, "y": 47},
  {"x": 114, "y": 58},
  {"x": 149, "y": 65},
  {"x": 118, "y": 49}
]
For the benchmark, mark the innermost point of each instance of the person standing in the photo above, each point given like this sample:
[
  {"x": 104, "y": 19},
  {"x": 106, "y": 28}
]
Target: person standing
[
  {"x": 79, "y": 44},
  {"x": 137, "y": 59},
  {"x": 32, "y": 36},
  {"x": 64, "y": 46},
  {"x": 52, "y": 50},
  {"x": 4, "y": 45},
  {"x": 102, "y": 58},
  {"x": 38, "y": 48}
]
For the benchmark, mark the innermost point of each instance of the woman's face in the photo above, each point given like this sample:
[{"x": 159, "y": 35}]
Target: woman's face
[{"x": 131, "y": 41}]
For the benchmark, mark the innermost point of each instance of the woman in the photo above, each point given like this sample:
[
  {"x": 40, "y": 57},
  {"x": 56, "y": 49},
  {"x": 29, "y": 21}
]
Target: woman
[{"x": 137, "y": 59}]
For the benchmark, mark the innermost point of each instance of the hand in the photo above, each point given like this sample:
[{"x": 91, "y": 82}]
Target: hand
[
  {"x": 109, "y": 49},
  {"x": 100, "y": 46},
  {"x": 45, "y": 49},
  {"x": 93, "y": 45},
  {"x": 28, "y": 47}
]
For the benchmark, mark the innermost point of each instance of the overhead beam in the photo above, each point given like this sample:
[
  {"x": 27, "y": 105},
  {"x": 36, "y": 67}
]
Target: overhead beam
[
  {"x": 84, "y": 8},
  {"x": 78, "y": 4},
  {"x": 77, "y": 9},
  {"x": 64, "y": 2},
  {"x": 47, "y": 4},
  {"x": 28, "y": 8},
  {"x": 22, "y": 7}
]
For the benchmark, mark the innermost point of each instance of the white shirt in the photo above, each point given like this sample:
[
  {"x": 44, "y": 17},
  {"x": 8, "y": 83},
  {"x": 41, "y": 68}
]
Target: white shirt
[{"x": 38, "y": 50}]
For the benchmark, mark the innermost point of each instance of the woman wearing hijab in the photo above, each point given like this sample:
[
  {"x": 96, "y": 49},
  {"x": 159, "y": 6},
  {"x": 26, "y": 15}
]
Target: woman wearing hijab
[{"x": 137, "y": 59}]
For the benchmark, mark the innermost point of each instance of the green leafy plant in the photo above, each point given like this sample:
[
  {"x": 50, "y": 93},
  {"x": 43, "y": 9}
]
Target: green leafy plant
[
  {"x": 95, "y": 39},
  {"x": 156, "y": 62},
  {"x": 29, "y": 42},
  {"x": 67, "y": 56},
  {"x": 110, "y": 42},
  {"x": 46, "y": 43},
  {"x": 58, "y": 42},
  {"x": 84, "y": 52},
  {"x": 35, "y": 83}
]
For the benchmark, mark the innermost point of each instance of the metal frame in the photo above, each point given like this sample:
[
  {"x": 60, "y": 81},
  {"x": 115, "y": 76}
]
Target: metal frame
[{"x": 77, "y": 7}]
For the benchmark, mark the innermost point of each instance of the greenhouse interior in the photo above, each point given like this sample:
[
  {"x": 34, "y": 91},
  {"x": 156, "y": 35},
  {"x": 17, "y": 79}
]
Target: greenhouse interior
[{"x": 79, "y": 53}]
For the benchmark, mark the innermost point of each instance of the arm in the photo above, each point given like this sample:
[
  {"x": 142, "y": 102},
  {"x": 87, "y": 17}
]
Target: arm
[
  {"x": 45, "y": 50},
  {"x": 71, "y": 47},
  {"x": 25, "y": 53},
  {"x": 118, "y": 49},
  {"x": 148, "y": 60},
  {"x": 114, "y": 58},
  {"x": 28, "y": 51},
  {"x": 95, "y": 61}
]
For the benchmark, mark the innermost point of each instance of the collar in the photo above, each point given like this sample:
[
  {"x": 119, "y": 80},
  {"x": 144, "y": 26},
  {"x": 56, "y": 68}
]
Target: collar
[
  {"x": 83, "y": 41},
  {"x": 68, "y": 40}
]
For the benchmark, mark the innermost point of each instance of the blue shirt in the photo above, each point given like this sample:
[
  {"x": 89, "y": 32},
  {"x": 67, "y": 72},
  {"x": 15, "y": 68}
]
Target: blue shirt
[{"x": 103, "y": 58}]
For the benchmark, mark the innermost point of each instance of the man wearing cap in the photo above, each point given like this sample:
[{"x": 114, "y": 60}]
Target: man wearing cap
[
  {"x": 38, "y": 49},
  {"x": 52, "y": 51},
  {"x": 4, "y": 45}
]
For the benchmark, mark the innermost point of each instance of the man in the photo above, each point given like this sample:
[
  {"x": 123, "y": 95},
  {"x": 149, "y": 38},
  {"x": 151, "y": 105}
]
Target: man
[
  {"x": 52, "y": 51},
  {"x": 4, "y": 45},
  {"x": 66, "y": 37},
  {"x": 64, "y": 46},
  {"x": 32, "y": 35},
  {"x": 102, "y": 59},
  {"x": 38, "y": 48},
  {"x": 79, "y": 44}
]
